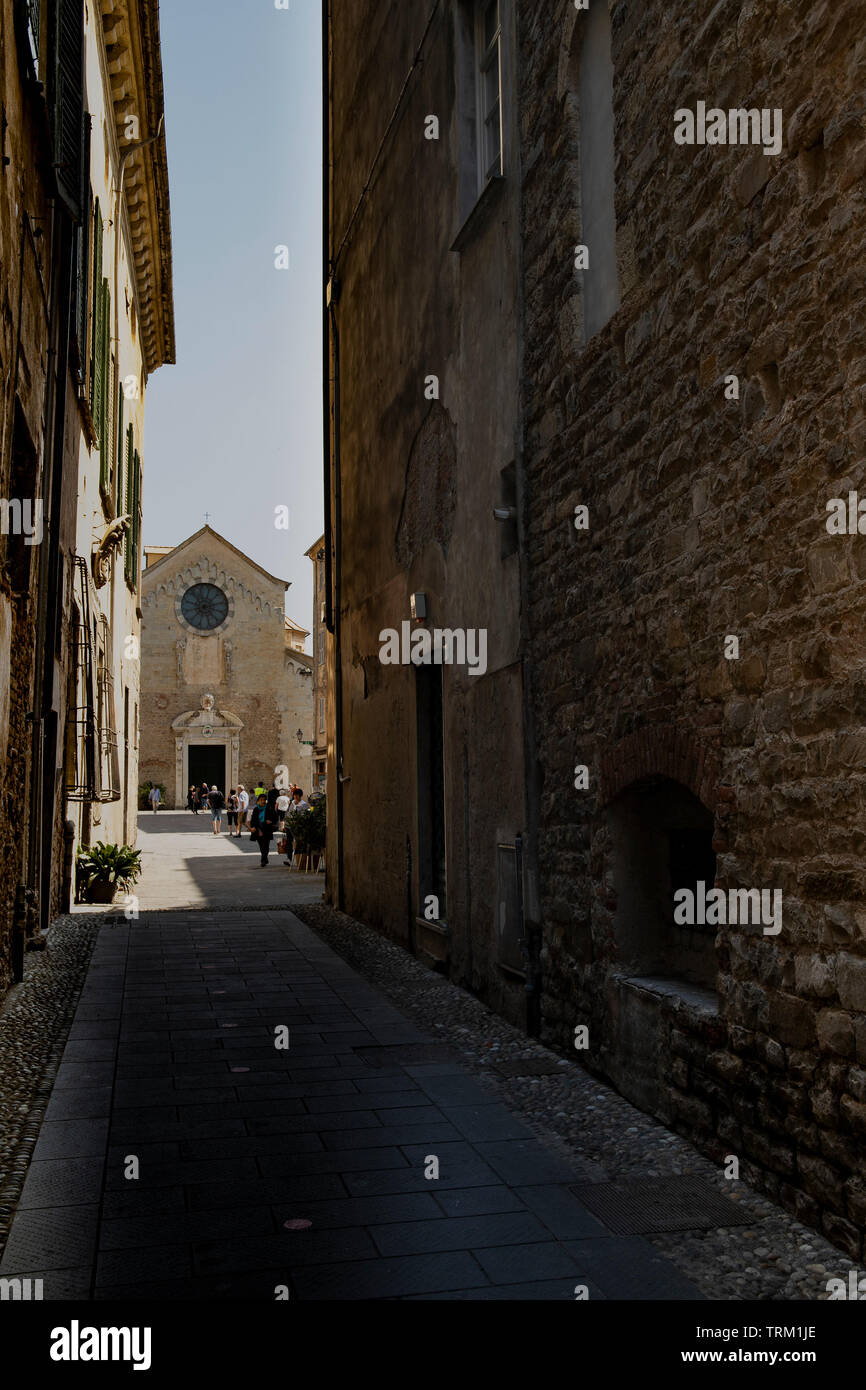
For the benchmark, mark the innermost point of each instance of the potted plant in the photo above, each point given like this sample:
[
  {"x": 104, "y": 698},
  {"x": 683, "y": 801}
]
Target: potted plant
[
  {"x": 307, "y": 829},
  {"x": 102, "y": 869},
  {"x": 317, "y": 821},
  {"x": 296, "y": 822}
]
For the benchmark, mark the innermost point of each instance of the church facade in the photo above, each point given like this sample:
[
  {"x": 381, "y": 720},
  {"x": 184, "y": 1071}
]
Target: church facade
[{"x": 226, "y": 696}]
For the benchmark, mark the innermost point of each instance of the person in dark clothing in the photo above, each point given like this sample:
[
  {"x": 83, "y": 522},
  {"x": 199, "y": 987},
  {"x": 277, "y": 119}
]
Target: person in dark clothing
[
  {"x": 216, "y": 801},
  {"x": 203, "y": 795},
  {"x": 192, "y": 800},
  {"x": 264, "y": 823}
]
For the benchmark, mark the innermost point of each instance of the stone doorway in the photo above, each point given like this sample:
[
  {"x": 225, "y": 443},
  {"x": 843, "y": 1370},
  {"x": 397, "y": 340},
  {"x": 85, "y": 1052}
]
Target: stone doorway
[{"x": 207, "y": 763}]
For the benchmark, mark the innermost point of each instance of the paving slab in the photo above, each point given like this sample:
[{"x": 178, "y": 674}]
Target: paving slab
[{"x": 362, "y": 1162}]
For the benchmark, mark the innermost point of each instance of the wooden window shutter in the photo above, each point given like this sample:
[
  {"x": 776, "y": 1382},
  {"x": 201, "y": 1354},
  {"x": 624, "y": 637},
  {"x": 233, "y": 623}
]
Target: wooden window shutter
[{"x": 67, "y": 100}]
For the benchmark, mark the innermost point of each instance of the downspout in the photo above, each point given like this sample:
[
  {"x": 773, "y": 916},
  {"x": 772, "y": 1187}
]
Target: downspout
[
  {"x": 53, "y": 597},
  {"x": 530, "y": 900},
  {"x": 331, "y": 450},
  {"x": 337, "y": 614}
]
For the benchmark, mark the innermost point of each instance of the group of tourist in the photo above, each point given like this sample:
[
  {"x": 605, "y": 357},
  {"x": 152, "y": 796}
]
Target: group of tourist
[{"x": 262, "y": 811}]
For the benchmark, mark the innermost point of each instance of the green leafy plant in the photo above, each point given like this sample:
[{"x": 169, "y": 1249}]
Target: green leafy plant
[
  {"x": 117, "y": 865},
  {"x": 307, "y": 828}
]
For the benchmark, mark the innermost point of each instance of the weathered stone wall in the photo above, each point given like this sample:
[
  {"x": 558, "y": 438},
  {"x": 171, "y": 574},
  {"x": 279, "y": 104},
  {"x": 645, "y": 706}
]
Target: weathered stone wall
[
  {"x": 420, "y": 476},
  {"x": 25, "y": 262},
  {"x": 707, "y": 519}
]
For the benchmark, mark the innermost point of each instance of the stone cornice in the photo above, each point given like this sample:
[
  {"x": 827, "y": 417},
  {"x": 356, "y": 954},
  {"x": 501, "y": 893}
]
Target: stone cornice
[
  {"x": 134, "y": 63},
  {"x": 204, "y": 569}
]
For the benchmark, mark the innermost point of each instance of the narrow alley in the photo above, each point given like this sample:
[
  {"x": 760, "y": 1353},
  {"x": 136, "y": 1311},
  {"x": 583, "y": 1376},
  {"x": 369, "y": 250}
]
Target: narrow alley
[{"x": 240, "y": 1113}]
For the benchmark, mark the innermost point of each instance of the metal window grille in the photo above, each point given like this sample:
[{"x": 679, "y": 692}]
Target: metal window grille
[
  {"x": 109, "y": 765},
  {"x": 81, "y": 717},
  {"x": 93, "y": 769}
]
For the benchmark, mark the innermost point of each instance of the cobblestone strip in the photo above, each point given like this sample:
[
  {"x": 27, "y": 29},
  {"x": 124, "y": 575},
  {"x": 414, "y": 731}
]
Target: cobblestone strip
[
  {"x": 775, "y": 1259},
  {"x": 35, "y": 1019}
]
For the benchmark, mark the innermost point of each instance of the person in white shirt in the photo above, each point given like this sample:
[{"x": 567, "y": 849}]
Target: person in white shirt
[
  {"x": 298, "y": 802},
  {"x": 243, "y": 808},
  {"x": 283, "y": 804}
]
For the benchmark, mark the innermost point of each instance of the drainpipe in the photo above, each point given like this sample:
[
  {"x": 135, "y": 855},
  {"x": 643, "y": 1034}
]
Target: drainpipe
[
  {"x": 528, "y": 854},
  {"x": 336, "y": 615},
  {"x": 50, "y": 615},
  {"x": 331, "y": 451}
]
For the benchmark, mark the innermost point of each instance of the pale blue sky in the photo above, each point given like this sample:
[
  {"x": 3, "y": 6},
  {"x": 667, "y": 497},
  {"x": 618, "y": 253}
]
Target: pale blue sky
[{"x": 235, "y": 427}]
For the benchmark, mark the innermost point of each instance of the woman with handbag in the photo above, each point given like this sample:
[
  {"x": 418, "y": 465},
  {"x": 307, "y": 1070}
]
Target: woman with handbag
[{"x": 264, "y": 823}]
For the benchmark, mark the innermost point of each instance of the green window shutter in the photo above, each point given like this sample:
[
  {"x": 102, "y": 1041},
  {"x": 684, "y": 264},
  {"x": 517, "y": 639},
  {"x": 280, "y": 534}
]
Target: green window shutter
[
  {"x": 107, "y": 399},
  {"x": 118, "y": 505},
  {"x": 66, "y": 99},
  {"x": 136, "y": 519},
  {"x": 83, "y": 243},
  {"x": 129, "y": 503},
  {"x": 96, "y": 310},
  {"x": 110, "y": 432}
]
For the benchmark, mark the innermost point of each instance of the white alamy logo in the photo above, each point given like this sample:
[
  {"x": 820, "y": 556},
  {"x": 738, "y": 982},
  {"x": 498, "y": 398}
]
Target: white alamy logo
[
  {"x": 20, "y": 1290},
  {"x": 846, "y": 521},
  {"x": 738, "y": 905},
  {"x": 77, "y": 1343},
  {"x": 444, "y": 646},
  {"x": 735, "y": 127},
  {"x": 855, "y": 1292},
  {"x": 22, "y": 518}
]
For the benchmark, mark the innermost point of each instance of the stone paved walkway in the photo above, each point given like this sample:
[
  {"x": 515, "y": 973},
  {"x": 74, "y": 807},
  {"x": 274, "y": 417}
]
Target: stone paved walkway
[
  {"x": 185, "y": 865},
  {"x": 172, "y": 1062}
]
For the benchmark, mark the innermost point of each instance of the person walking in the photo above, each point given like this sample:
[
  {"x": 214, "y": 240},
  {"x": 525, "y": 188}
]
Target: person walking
[
  {"x": 232, "y": 806},
  {"x": 243, "y": 807},
  {"x": 283, "y": 804},
  {"x": 154, "y": 796},
  {"x": 203, "y": 795},
  {"x": 192, "y": 800},
  {"x": 259, "y": 791},
  {"x": 264, "y": 822},
  {"x": 216, "y": 802}
]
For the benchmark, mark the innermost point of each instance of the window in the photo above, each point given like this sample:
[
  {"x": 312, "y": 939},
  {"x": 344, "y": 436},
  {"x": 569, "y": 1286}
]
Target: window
[
  {"x": 83, "y": 251},
  {"x": 95, "y": 312},
  {"x": 133, "y": 510},
  {"x": 118, "y": 454},
  {"x": 204, "y": 607},
  {"x": 593, "y": 79},
  {"x": 108, "y": 439},
  {"x": 488, "y": 43},
  {"x": 66, "y": 98},
  {"x": 661, "y": 839}
]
